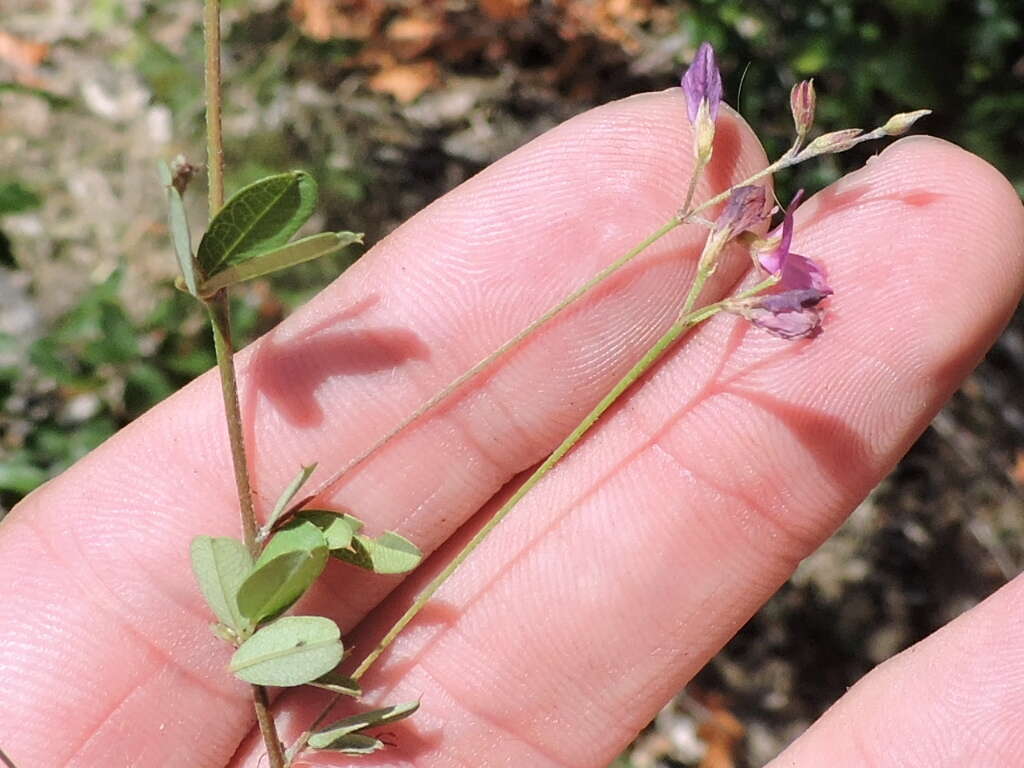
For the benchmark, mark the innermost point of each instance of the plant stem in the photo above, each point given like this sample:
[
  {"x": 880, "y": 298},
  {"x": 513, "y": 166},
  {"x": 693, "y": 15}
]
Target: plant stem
[
  {"x": 685, "y": 321},
  {"x": 219, "y": 309},
  {"x": 682, "y": 218},
  {"x": 6, "y": 760},
  {"x": 437, "y": 399},
  {"x": 220, "y": 320},
  {"x": 214, "y": 105}
]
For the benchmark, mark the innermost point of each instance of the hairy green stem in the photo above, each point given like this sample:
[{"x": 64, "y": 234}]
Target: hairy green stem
[{"x": 219, "y": 309}]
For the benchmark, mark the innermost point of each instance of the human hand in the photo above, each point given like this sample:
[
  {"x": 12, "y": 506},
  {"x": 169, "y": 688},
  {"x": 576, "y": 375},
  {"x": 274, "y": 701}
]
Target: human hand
[{"x": 632, "y": 563}]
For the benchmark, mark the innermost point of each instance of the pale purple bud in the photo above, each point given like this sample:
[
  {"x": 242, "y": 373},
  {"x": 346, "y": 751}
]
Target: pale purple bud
[
  {"x": 802, "y": 101},
  {"x": 702, "y": 82},
  {"x": 744, "y": 210},
  {"x": 829, "y": 143}
]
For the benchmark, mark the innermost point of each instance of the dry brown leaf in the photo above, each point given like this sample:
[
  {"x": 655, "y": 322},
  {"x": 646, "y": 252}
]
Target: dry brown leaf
[
  {"x": 1018, "y": 469},
  {"x": 722, "y": 732},
  {"x": 503, "y": 10},
  {"x": 409, "y": 36},
  {"x": 24, "y": 56},
  {"x": 347, "y": 19},
  {"x": 406, "y": 81}
]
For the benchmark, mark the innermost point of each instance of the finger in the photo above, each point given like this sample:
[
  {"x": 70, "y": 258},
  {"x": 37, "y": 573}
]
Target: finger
[
  {"x": 660, "y": 535},
  {"x": 103, "y": 632},
  {"x": 954, "y": 699}
]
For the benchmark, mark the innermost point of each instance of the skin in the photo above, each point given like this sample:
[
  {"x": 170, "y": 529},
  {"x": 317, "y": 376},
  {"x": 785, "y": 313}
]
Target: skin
[{"x": 633, "y": 562}]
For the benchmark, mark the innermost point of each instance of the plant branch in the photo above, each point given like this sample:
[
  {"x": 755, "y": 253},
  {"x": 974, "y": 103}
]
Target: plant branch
[
  {"x": 483, "y": 364},
  {"x": 685, "y": 321},
  {"x": 219, "y": 309}
]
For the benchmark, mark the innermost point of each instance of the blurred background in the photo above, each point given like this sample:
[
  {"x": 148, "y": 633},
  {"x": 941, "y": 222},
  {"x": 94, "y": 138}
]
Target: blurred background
[{"x": 391, "y": 104}]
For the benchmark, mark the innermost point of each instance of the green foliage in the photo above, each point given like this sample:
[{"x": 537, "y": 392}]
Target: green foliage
[
  {"x": 15, "y": 197},
  {"x": 336, "y": 682},
  {"x": 307, "y": 249},
  {"x": 256, "y": 219},
  {"x": 294, "y": 650},
  {"x": 389, "y": 553},
  {"x": 335, "y": 736},
  {"x": 177, "y": 223},
  {"x": 338, "y": 528},
  {"x": 288, "y": 494},
  {"x": 221, "y": 566},
  {"x": 275, "y": 585}
]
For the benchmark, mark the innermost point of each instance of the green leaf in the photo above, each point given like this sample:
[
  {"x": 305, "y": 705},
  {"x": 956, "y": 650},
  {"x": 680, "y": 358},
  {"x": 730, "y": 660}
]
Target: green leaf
[
  {"x": 15, "y": 197},
  {"x": 338, "y": 528},
  {"x": 325, "y": 737},
  {"x": 339, "y": 683},
  {"x": 296, "y": 536},
  {"x": 292, "y": 651},
  {"x": 289, "y": 493},
  {"x": 352, "y": 744},
  {"x": 388, "y": 553},
  {"x": 264, "y": 263},
  {"x": 177, "y": 223},
  {"x": 221, "y": 567},
  {"x": 275, "y": 585},
  {"x": 258, "y": 218}
]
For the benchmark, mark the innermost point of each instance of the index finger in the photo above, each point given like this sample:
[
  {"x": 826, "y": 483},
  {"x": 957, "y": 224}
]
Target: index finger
[{"x": 104, "y": 645}]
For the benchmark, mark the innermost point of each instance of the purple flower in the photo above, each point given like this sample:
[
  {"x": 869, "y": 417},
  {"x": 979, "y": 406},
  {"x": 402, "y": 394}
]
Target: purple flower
[
  {"x": 744, "y": 209},
  {"x": 793, "y": 311},
  {"x": 703, "y": 83},
  {"x": 795, "y": 272},
  {"x": 791, "y": 314}
]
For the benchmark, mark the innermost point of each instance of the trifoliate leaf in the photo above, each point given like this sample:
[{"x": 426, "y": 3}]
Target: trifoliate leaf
[
  {"x": 325, "y": 737},
  {"x": 293, "y": 650},
  {"x": 258, "y": 218},
  {"x": 221, "y": 566}
]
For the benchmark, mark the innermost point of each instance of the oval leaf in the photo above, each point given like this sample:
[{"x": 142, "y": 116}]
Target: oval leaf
[
  {"x": 258, "y": 218},
  {"x": 221, "y": 567},
  {"x": 339, "y": 683},
  {"x": 287, "y": 495},
  {"x": 388, "y": 553},
  {"x": 292, "y": 651},
  {"x": 352, "y": 744},
  {"x": 298, "y": 536},
  {"x": 273, "y": 587},
  {"x": 323, "y": 738},
  {"x": 264, "y": 263}
]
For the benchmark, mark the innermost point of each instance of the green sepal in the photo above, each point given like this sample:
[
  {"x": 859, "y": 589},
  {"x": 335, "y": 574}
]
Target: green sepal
[{"x": 293, "y": 650}]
